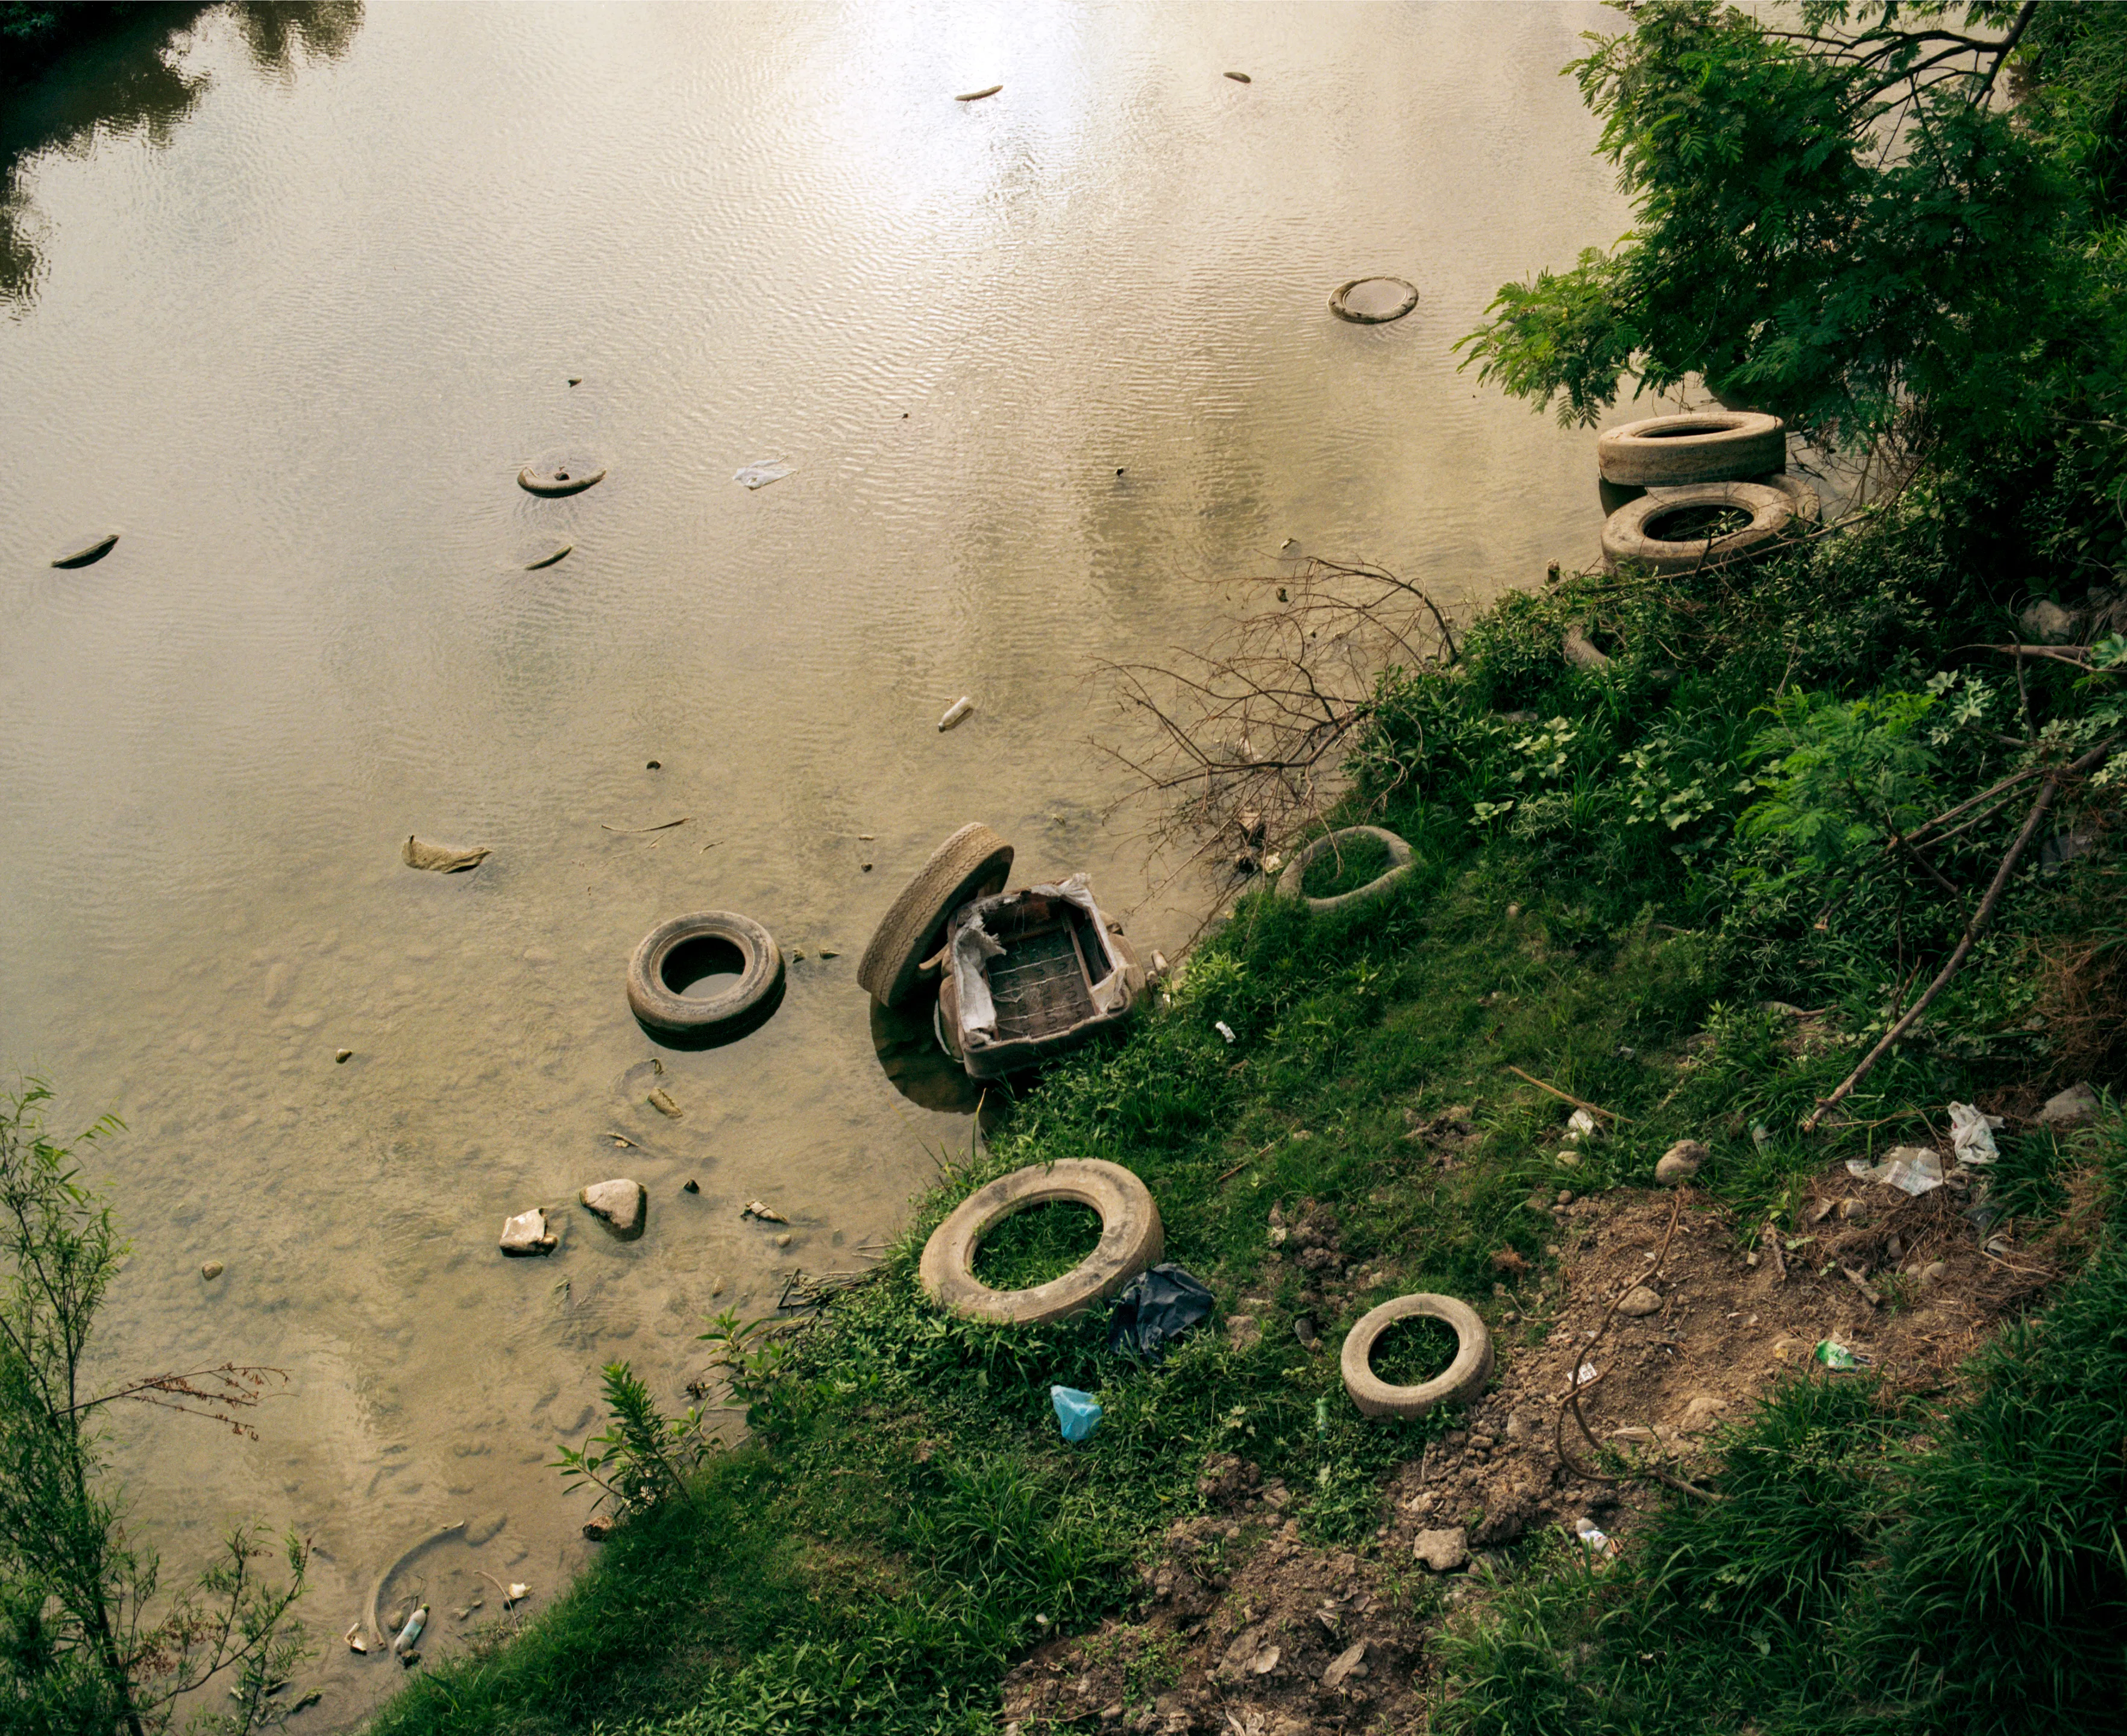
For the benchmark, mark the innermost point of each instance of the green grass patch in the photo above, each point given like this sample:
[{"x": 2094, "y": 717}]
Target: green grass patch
[
  {"x": 1041, "y": 1243},
  {"x": 1412, "y": 1352},
  {"x": 1344, "y": 866}
]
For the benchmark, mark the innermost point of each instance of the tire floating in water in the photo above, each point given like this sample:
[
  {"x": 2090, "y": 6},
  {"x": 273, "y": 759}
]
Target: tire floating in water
[
  {"x": 548, "y": 559},
  {"x": 89, "y": 552},
  {"x": 1373, "y": 301}
]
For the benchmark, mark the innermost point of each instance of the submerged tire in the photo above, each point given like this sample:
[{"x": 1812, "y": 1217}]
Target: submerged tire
[
  {"x": 1465, "y": 1376},
  {"x": 551, "y": 478},
  {"x": 1709, "y": 446},
  {"x": 1633, "y": 532},
  {"x": 1379, "y": 306},
  {"x": 662, "y": 1007},
  {"x": 973, "y": 863},
  {"x": 1131, "y": 1239},
  {"x": 1292, "y": 878}
]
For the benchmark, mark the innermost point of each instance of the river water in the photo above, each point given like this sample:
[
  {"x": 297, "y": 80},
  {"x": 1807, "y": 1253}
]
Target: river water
[{"x": 290, "y": 307}]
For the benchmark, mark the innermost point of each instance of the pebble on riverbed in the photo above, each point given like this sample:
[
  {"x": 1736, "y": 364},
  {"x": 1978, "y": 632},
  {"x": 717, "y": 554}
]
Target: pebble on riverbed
[{"x": 212, "y": 1269}]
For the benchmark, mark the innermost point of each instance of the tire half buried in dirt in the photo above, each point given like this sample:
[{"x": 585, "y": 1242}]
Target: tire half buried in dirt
[
  {"x": 690, "y": 947},
  {"x": 1131, "y": 1240},
  {"x": 1462, "y": 1380},
  {"x": 971, "y": 864}
]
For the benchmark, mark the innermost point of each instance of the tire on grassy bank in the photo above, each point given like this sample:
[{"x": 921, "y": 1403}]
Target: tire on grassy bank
[
  {"x": 1461, "y": 1381},
  {"x": 1291, "y": 882},
  {"x": 1131, "y": 1239}
]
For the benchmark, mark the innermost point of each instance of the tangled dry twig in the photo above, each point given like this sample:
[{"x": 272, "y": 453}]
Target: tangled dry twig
[{"x": 1242, "y": 744}]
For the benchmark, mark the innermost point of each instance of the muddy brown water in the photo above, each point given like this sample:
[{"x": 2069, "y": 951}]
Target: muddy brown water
[{"x": 1044, "y": 368}]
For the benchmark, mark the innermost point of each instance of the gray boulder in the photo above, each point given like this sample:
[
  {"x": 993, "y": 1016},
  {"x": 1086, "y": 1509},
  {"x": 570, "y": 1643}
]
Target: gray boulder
[
  {"x": 2077, "y": 1106},
  {"x": 620, "y": 1205}
]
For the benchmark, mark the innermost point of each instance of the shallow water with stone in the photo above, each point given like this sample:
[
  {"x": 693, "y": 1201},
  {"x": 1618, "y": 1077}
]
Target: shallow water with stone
[{"x": 291, "y": 310}]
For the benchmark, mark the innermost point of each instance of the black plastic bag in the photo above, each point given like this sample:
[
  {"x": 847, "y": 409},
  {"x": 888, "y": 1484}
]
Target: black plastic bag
[{"x": 1156, "y": 1308}]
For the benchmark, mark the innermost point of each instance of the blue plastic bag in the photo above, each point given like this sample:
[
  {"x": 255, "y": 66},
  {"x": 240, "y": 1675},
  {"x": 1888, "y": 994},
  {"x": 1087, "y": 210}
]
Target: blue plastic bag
[{"x": 1078, "y": 1413}]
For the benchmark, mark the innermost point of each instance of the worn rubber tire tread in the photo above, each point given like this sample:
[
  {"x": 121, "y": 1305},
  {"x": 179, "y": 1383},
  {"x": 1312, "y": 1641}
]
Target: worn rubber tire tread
[
  {"x": 660, "y": 1008},
  {"x": 972, "y": 863},
  {"x": 1131, "y": 1239},
  {"x": 1293, "y": 876},
  {"x": 1720, "y": 446},
  {"x": 1339, "y": 307},
  {"x": 1463, "y": 1381},
  {"x": 1625, "y": 537}
]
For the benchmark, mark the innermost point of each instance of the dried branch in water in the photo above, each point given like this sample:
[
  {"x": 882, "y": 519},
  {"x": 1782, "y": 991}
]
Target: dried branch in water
[
  {"x": 1241, "y": 745},
  {"x": 220, "y": 1394}
]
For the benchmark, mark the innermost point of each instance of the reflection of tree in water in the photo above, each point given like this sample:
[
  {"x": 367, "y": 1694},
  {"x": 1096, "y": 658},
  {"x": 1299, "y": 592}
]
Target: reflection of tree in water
[
  {"x": 129, "y": 81},
  {"x": 275, "y": 31}
]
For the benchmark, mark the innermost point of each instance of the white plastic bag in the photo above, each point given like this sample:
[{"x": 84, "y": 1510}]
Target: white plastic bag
[
  {"x": 1972, "y": 1134},
  {"x": 1910, "y": 1169}
]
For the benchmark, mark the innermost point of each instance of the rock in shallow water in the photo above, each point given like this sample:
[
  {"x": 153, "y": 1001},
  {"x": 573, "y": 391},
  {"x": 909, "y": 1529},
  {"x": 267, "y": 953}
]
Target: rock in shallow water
[
  {"x": 621, "y": 1205},
  {"x": 527, "y": 1233}
]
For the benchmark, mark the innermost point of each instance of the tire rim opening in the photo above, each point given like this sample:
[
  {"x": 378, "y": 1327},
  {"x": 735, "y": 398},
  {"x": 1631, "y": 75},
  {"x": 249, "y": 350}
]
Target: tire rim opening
[
  {"x": 1697, "y": 524},
  {"x": 1413, "y": 1350},
  {"x": 1687, "y": 428},
  {"x": 1036, "y": 1245},
  {"x": 702, "y": 968},
  {"x": 1345, "y": 867},
  {"x": 1374, "y": 301}
]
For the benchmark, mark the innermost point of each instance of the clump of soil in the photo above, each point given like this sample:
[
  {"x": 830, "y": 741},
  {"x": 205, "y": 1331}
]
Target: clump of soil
[{"x": 1247, "y": 1630}]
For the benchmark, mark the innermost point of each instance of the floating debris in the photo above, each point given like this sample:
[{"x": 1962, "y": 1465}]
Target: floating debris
[
  {"x": 409, "y": 1636},
  {"x": 560, "y": 551},
  {"x": 956, "y": 713},
  {"x": 976, "y": 95},
  {"x": 664, "y": 1103},
  {"x": 767, "y": 1214},
  {"x": 761, "y": 475},
  {"x": 355, "y": 1642},
  {"x": 89, "y": 553},
  {"x": 417, "y": 852},
  {"x": 632, "y": 831},
  {"x": 1240, "y": 78}
]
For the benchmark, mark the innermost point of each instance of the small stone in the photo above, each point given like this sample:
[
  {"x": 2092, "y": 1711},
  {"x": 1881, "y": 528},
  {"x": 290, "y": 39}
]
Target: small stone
[
  {"x": 527, "y": 1233},
  {"x": 1680, "y": 1163},
  {"x": 1343, "y": 1665},
  {"x": 1566, "y": 1196},
  {"x": 2049, "y": 624},
  {"x": 1639, "y": 1302},
  {"x": 1267, "y": 1660},
  {"x": 865, "y": 866},
  {"x": 783, "y": 1239},
  {"x": 653, "y": 765},
  {"x": 1442, "y": 1551},
  {"x": 690, "y": 1186},
  {"x": 2077, "y": 1106},
  {"x": 343, "y": 1056},
  {"x": 212, "y": 1269},
  {"x": 663, "y": 1102},
  {"x": 1513, "y": 911},
  {"x": 1569, "y": 1160},
  {"x": 621, "y": 1205},
  {"x": 1303, "y": 1329},
  {"x": 1933, "y": 1273}
]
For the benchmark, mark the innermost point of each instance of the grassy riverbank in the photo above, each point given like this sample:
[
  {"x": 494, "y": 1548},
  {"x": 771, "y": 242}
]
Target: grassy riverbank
[{"x": 1615, "y": 872}]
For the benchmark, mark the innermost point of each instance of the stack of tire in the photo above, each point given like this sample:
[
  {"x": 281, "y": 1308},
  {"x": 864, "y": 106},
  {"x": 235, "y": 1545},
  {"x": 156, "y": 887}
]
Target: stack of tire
[{"x": 1660, "y": 476}]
